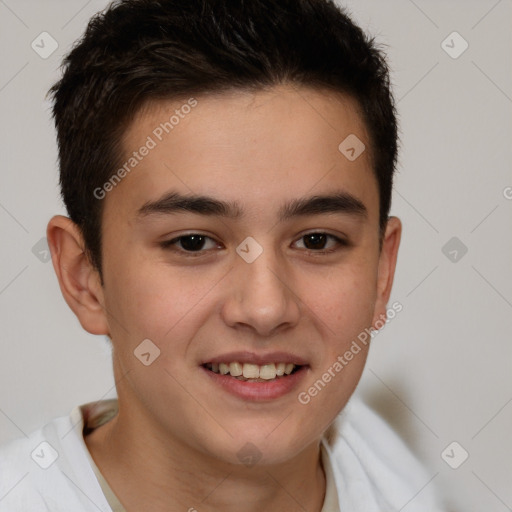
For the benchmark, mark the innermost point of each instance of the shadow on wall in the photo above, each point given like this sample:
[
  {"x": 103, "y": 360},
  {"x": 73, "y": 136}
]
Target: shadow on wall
[{"x": 395, "y": 413}]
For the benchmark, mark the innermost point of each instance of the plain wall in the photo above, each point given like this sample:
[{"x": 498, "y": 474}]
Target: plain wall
[{"x": 441, "y": 370}]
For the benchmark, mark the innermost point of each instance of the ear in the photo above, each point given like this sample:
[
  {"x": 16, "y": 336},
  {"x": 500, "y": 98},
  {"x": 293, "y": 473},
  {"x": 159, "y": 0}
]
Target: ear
[
  {"x": 386, "y": 270},
  {"x": 79, "y": 281}
]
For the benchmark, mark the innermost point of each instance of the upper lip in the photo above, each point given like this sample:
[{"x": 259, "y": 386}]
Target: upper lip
[{"x": 259, "y": 359}]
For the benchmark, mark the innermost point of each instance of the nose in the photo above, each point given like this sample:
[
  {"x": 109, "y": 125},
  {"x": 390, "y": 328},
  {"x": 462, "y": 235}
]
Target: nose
[{"x": 261, "y": 297}]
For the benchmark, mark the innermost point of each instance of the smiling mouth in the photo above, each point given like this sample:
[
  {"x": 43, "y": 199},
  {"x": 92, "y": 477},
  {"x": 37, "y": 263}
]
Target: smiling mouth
[{"x": 253, "y": 372}]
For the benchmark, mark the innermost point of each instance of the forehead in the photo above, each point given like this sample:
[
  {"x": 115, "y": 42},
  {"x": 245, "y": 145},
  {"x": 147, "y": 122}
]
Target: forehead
[{"x": 252, "y": 148}]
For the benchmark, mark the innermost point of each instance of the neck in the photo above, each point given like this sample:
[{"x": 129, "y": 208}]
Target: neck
[{"x": 165, "y": 475}]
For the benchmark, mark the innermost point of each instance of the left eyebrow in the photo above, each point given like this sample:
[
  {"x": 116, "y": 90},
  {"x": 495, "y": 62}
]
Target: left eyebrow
[
  {"x": 173, "y": 202},
  {"x": 341, "y": 202}
]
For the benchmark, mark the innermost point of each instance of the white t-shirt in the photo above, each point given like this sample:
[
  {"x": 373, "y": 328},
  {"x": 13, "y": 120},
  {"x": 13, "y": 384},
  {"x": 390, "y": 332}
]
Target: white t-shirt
[{"x": 368, "y": 468}]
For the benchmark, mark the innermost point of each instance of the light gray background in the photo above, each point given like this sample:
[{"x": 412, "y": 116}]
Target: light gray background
[{"x": 441, "y": 370}]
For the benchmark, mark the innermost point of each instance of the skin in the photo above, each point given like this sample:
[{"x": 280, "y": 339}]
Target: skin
[{"x": 174, "y": 443}]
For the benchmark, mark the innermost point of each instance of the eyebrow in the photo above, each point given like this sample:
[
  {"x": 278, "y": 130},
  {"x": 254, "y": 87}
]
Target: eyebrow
[{"x": 173, "y": 202}]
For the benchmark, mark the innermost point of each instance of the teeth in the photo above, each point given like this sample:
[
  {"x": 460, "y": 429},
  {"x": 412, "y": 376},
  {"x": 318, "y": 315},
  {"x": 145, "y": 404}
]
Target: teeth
[
  {"x": 268, "y": 371},
  {"x": 252, "y": 371},
  {"x": 235, "y": 369}
]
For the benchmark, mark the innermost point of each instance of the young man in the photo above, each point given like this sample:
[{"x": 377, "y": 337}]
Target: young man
[{"x": 227, "y": 169}]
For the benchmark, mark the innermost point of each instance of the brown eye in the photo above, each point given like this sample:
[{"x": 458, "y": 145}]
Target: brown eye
[
  {"x": 317, "y": 241},
  {"x": 193, "y": 243}
]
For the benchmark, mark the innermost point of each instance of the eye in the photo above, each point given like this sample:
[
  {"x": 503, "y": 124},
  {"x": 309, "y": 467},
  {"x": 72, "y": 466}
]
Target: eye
[
  {"x": 197, "y": 243},
  {"x": 192, "y": 243},
  {"x": 316, "y": 241}
]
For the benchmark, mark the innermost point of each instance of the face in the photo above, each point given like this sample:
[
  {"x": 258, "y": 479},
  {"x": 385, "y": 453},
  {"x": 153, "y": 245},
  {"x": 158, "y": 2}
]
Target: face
[{"x": 257, "y": 274}]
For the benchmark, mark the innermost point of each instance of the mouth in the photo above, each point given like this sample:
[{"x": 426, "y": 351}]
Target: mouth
[
  {"x": 248, "y": 372},
  {"x": 256, "y": 378}
]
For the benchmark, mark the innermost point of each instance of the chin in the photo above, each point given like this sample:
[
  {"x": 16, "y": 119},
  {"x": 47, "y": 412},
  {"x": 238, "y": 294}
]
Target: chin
[{"x": 263, "y": 444}]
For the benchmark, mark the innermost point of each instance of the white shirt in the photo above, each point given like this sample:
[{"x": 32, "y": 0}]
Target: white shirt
[{"x": 368, "y": 468}]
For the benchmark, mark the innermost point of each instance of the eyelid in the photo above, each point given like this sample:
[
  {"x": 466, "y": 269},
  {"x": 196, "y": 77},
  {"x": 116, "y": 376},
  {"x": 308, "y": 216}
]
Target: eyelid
[
  {"x": 341, "y": 242},
  {"x": 166, "y": 244}
]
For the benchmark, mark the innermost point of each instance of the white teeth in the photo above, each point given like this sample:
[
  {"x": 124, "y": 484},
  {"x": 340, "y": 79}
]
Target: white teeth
[
  {"x": 235, "y": 369},
  {"x": 252, "y": 371},
  {"x": 280, "y": 369},
  {"x": 268, "y": 371}
]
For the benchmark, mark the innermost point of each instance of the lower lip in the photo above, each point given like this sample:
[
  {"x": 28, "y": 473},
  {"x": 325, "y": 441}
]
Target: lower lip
[{"x": 258, "y": 391}]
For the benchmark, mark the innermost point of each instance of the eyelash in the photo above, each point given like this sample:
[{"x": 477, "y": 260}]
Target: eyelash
[{"x": 167, "y": 244}]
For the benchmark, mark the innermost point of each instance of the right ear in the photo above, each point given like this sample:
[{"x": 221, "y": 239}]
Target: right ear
[{"x": 79, "y": 281}]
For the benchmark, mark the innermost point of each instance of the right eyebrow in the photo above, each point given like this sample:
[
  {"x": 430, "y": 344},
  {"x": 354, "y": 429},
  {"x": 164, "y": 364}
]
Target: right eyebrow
[{"x": 174, "y": 202}]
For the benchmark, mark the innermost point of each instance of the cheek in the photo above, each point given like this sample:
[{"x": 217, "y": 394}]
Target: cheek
[
  {"x": 149, "y": 299},
  {"x": 344, "y": 300},
  {"x": 142, "y": 302},
  {"x": 345, "y": 307}
]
